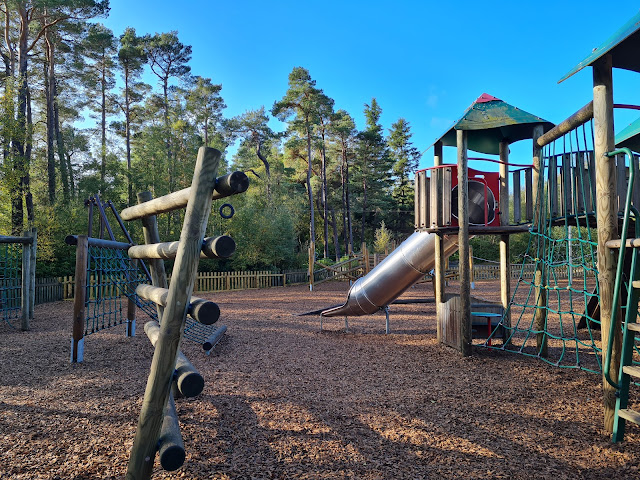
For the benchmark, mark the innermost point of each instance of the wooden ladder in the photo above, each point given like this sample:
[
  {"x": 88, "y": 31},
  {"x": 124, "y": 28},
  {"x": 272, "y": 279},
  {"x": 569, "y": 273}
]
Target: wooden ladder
[{"x": 158, "y": 426}]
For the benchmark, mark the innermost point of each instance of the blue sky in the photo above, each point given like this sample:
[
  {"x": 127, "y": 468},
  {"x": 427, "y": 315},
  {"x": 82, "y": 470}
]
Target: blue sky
[{"x": 425, "y": 61}]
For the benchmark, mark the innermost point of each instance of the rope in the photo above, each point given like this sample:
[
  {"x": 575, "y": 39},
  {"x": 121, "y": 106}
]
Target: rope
[
  {"x": 10, "y": 282},
  {"x": 562, "y": 249}
]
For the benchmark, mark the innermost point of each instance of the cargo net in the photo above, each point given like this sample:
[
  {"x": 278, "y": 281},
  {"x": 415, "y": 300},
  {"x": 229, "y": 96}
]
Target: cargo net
[
  {"x": 112, "y": 278},
  {"x": 10, "y": 283},
  {"x": 554, "y": 303}
]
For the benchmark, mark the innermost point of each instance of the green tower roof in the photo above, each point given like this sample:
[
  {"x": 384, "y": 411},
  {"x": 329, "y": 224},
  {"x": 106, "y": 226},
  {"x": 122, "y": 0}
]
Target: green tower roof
[{"x": 490, "y": 121}]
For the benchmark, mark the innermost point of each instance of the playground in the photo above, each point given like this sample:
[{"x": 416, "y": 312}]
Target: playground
[{"x": 284, "y": 399}]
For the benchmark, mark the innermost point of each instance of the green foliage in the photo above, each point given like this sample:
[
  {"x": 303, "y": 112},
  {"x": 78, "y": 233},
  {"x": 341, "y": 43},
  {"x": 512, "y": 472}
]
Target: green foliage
[{"x": 382, "y": 239}]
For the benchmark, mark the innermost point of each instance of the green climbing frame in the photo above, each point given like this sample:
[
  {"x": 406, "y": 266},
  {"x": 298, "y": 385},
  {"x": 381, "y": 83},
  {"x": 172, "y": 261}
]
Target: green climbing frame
[{"x": 562, "y": 249}]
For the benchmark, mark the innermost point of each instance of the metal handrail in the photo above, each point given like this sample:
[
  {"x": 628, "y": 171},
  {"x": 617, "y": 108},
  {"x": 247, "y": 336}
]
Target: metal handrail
[{"x": 623, "y": 240}]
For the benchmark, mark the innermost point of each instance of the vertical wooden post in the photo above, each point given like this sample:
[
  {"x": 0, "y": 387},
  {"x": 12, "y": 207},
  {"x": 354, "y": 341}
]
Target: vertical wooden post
[
  {"x": 172, "y": 326},
  {"x": 79, "y": 299},
  {"x": 463, "y": 243},
  {"x": 131, "y": 303},
  {"x": 505, "y": 265},
  {"x": 151, "y": 235},
  {"x": 32, "y": 274},
  {"x": 438, "y": 279},
  {"x": 540, "y": 277},
  {"x": 607, "y": 221},
  {"x": 312, "y": 259},
  {"x": 26, "y": 284}
]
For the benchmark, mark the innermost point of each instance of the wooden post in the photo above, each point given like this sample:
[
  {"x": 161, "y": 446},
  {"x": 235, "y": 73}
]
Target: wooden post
[
  {"x": 26, "y": 284},
  {"x": 607, "y": 222},
  {"x": 463, "y": 243},
  {"x": 151, "y": 235},
  {"x": 79, "y": 299},
  {"x": 505, "y": 265},
  {"x": 439, "y": 274},
  {"x": 171, "y": 329},
  {"x": 540, "y": 277},
  {"x": 131, "y": 302},
  {"x": 312, "y": 259},
  {"x": 32, "y": 276}
]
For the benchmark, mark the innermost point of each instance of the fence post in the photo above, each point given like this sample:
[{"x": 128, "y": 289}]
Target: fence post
[
  {"x": 79, "y": 300},
  {"x": 26, "y": 284},
  {"x": 32, "y": 272}
]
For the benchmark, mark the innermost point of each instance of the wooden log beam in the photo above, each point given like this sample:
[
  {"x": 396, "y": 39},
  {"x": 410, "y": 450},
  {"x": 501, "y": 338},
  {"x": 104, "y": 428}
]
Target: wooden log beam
[
  {"x": 26, "y": 240},
  {"x": 151, "y": 235},
  {"x": 170, "y": 444},
  {"x": 98, "y": 242},
  {"x": 581, "y": 117},
  {"x": 201, "y": 310},
  {"x": 231, "y": 184},
  {"x": 436, "y": 217},
  {"x": 164, "y": 357},
  {"x": 77, "y": 341},
  {"x": 214, "y": 338},
  {"x": 189, "y": 381},
  {"x": 606, "y": 214},
  {"x": 505, "y": 264},
  {"x": 212, "y": 247},
  {"x": 463, "y": 243}
]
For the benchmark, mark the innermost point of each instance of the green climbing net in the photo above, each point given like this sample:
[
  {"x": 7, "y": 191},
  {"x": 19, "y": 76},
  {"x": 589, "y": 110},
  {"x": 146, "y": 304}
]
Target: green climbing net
[
  {"x": 553, "y": 312},
  {"x": 10, "y": 282}
]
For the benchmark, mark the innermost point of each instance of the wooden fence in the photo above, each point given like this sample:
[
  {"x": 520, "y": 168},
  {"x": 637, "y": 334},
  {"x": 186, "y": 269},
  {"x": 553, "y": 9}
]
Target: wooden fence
[{"x": 61, "y": 288}]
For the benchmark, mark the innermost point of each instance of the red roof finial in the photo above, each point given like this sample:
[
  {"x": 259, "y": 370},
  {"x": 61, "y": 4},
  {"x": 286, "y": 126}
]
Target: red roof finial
[{"x": 485, "y": 97}]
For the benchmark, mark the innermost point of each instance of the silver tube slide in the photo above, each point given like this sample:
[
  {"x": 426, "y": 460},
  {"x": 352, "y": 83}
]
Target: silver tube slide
[{"x": 407, "y": 264}]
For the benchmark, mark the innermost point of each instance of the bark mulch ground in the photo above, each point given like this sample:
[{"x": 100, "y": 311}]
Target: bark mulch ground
[{"x": 284, "y": 399}]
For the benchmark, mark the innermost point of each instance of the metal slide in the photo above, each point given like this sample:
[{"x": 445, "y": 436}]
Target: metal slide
[{"x": 407, "y": 264}]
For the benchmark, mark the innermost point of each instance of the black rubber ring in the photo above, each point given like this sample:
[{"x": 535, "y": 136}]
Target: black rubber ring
[{"x": 231, "y": 210}]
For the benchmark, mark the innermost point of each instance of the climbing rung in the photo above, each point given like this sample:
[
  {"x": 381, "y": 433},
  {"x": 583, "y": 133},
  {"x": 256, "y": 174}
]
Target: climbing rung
[
  {"x": 630, "y": 415},
  {"x": 631, "y": 370},
  {"x": 212, "y": 247},
  {"x": 204, "y": 311},
  {"x": 231, "y": 184},
  {"x": 635, "y": 327},
  {"x": 630, "y": 243},
  {"x": 635, "y": 284}
]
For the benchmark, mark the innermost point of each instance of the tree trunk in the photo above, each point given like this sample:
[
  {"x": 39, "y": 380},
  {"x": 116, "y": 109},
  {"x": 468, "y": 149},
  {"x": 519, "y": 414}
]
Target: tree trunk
[
  {"x": 336, "y": 241},
  {"x": 48, "y": 89},
  {"x": 127, "y": 133},
  {"x": 267, "y": 170},
  {"x": 324, "y": 199},
  {"x": 312, "y": 225},
  {"x": 103, "y": 128},
  {"x": 364, "y": 208}
]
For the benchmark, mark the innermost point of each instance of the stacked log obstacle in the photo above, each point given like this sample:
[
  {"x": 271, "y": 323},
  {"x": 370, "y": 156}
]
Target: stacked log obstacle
[
  {"x": 109, "y": 271},
  {"x": 158, "y": 428},
  {"x": 18, "y": 277}
]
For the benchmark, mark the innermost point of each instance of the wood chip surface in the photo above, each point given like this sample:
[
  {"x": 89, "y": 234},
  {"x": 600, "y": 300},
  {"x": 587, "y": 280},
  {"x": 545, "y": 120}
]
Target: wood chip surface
[{"x": 286, "y": 400}]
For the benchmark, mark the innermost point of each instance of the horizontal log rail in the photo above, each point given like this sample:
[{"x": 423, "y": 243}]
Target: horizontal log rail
[
  {"x": 22, "y": 240},
  {"x": 189, "y": 381},
  {"x": 98, "y": 242},
  {"x": 231, "y": 184},
  {"x": 212, "y": 247},
  {"x": 581, "y": 117},
  {"x": 201, "y": 310}
]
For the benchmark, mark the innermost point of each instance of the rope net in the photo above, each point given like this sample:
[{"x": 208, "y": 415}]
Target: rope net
[
  {"x": 10, "y": 282},
  {"x": 112, "y": 278},
  {"x": 555, "y": 299}
]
